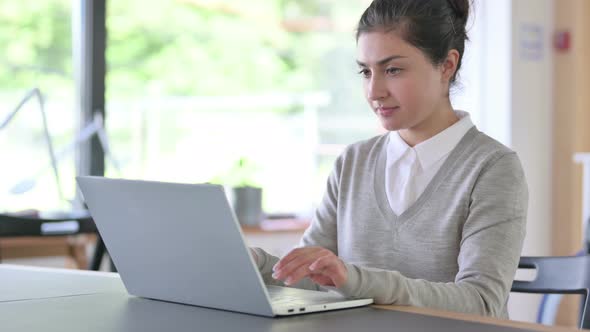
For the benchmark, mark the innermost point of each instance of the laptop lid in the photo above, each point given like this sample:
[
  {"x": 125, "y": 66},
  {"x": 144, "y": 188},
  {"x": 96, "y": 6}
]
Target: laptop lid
[{"x": 176, "y": 242}]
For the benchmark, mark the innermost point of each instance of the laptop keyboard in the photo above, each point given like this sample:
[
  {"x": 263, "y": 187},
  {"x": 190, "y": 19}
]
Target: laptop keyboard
[
  {"x": 285, "y": 296},
  {"x": 288, "y": 301}
]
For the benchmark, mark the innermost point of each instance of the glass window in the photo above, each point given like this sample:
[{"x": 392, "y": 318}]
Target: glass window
[
  {"x": 193, "y": 87},
  {"x": 36, "y": 53}
]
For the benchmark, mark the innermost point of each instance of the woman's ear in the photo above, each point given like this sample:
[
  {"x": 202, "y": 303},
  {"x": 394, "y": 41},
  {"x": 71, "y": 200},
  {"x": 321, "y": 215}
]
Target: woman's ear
[{"x": 449, "y": 65}]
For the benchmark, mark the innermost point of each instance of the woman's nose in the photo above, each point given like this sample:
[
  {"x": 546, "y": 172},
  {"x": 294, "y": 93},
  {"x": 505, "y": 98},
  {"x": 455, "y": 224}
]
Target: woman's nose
[{"x": 376, "y": 89}]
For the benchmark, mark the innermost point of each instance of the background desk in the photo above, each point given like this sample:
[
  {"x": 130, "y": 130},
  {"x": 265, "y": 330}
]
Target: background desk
[
  {"x": 276, "y": 236},
  {"x": 35, "y": 234},
  {"x": 51, "y": 300},
  {"x": 21, "y": 240}
]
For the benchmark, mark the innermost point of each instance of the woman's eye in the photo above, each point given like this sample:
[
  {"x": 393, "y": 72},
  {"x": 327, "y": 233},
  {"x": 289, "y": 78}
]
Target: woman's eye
[
  {"x": 364, "y": 72},
  {"x": 393, "y": 71}
]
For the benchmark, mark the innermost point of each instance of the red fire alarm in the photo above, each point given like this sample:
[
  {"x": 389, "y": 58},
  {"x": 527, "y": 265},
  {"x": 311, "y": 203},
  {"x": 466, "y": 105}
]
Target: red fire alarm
[{"x": 562, "y": 41}]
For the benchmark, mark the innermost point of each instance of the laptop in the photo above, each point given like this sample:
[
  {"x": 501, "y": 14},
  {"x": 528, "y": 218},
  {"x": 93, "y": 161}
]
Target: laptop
[{"x": 182, "y": 243}]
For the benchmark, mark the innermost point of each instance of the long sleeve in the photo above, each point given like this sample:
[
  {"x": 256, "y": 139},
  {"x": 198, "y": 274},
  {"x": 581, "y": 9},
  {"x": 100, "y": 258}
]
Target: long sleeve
[
  {"x": 322, "y": 232},
  {"x": 490, "y": 246}
]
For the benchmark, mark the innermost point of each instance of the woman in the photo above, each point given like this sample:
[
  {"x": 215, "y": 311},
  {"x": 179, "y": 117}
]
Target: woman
[{"x": 430, "y": 214}]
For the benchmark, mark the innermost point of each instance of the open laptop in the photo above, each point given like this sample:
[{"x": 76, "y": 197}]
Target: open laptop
[{"x": 182, "y": 243}]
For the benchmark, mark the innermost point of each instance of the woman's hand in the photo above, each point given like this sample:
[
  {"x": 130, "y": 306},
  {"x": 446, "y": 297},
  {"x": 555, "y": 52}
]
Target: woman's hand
[{"x": 319, "y": 264}]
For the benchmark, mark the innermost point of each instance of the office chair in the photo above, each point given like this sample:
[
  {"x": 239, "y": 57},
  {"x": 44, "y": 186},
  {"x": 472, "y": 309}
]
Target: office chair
[{"x": 559, "y": 275}]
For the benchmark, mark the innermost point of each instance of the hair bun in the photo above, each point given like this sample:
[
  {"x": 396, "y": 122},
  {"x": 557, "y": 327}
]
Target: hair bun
[{"x": 460, "y": 8}]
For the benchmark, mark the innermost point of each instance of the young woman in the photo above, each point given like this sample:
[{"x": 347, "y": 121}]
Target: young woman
[{"x": 430, "y": 214}]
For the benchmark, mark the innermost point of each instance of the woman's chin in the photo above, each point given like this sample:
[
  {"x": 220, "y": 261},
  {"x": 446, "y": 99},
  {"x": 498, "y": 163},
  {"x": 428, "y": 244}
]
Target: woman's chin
[{"x": 390, "y": 125}]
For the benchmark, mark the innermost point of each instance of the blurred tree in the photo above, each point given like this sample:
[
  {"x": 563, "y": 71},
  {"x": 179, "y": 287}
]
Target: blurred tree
[
  {"x": 35, "y": 39},
  {"x": 183, "y": 47},
  {"x": 196, "y": 47}
]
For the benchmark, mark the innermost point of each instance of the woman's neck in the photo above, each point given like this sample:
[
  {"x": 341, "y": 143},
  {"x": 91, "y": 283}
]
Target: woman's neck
[{"x": 431, "y": 126}]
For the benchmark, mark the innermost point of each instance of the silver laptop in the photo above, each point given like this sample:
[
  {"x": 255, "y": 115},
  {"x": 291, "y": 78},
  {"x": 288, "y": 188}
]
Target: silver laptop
[{"x": 182, "y": 243}]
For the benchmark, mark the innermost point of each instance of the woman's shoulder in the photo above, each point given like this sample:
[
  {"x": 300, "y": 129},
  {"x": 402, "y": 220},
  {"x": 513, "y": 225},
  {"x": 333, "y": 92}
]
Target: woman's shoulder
[
  {"x": 362, "y": 154},
  {"x": 479, "y": 142},
  {"x": 484, "y": 150},
  {"x": 364, "y": 148}
]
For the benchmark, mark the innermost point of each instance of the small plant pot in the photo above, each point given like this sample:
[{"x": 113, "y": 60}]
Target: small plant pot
[{"x": 247, "y": 204}]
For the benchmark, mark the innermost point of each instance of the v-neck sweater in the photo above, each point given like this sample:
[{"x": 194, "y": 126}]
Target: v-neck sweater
[
  {"x": 409, "y": 169},
  {"x": 456, "y": 248}
]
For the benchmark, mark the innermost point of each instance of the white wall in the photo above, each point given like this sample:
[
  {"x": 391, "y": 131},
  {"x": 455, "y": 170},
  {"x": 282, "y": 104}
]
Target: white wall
[
  {"x": 532, "y": 103},
  {"x": 506, "y": 80}
]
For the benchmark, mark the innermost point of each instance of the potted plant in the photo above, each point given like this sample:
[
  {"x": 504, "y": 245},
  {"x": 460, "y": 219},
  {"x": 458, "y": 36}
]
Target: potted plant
[{"x": 246, "y": 194}]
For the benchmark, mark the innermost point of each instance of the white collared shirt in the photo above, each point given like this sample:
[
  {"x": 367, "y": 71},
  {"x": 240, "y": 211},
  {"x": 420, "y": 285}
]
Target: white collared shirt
[{"x": 409, "y": 170}]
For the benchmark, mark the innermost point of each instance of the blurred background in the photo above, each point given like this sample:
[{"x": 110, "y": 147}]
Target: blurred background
[{"x": 265, "y": 93}]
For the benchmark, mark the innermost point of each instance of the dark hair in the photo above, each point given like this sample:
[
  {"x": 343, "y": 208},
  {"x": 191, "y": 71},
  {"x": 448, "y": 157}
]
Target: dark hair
[{"x": 433, "y": 26}]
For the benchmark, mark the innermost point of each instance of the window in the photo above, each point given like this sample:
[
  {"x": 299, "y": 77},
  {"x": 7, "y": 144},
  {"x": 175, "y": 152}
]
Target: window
[
  {"x": 195, "y": 86},
  {"x": 36, "y": 53}
]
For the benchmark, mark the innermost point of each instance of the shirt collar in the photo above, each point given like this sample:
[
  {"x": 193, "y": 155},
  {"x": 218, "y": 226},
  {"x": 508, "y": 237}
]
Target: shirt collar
[
  {"x": 441, "y": 144},
  {"x": 396, "y": 147},
  {"x": 434, "y": 148}
]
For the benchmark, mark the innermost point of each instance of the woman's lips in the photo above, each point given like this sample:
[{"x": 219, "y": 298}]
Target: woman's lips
[{"x": 387, "y": 111}]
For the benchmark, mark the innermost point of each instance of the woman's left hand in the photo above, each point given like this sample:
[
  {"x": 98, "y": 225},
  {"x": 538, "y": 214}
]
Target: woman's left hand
[{"x": 319, "y": 264}]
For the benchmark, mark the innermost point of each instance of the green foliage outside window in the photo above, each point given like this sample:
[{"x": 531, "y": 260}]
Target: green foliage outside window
[
  {"x": 163, "y": 49},
  {"x": 189, "y": 47},
  {"x": 36, "y": 45}
]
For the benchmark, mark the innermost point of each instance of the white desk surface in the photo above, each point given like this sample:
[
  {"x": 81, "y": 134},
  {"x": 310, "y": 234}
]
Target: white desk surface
[
  {"x": 38, "y": 283},
  {"x": 59, "y": 300}
]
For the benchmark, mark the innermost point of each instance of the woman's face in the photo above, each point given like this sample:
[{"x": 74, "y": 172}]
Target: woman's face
[{"x": 402, "y": 86}]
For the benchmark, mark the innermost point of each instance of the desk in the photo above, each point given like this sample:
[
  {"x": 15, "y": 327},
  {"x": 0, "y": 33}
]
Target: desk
[
  {"x": 276, "y": 236},
  {"x": 21, "y": 236},
  {"x": 72, "y": 247},
  {"x": 39, "y": 234},
  {"x": 95, "y": 301}
]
